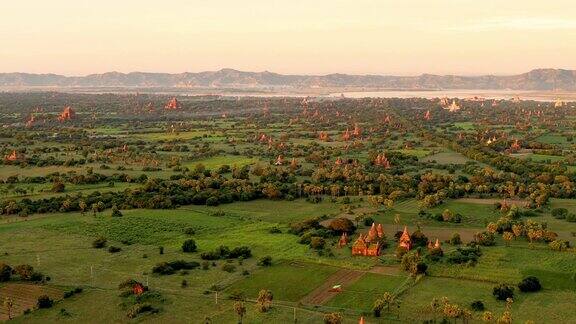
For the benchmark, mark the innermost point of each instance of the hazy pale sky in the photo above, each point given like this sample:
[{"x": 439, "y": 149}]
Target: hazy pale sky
[{"x": 401, "y": 37}]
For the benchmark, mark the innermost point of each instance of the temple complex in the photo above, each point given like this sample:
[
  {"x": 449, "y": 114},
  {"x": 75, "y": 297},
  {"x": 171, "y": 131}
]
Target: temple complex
[
  {"x": 323, "y": 136},
  {"x": 346, "y": 136},
  {"x": 369, "y": 244},
  {"x": 67, "y": 114},
  {"x": 382, "y": 160},
  {"x": 515, "y": 146},
  {"x": 279, "y": 160},
  {"x": 453, "y": 107},
  {"x": 434, "y": 246},
  {"x": 14, "y": 156},
  {"x": 30, "y": 121},
  {"x": 293, "y": 164},
  {"x": 173, "y": 104}
]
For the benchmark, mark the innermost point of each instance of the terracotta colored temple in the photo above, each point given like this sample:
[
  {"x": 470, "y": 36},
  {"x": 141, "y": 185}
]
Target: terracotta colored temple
[
  {"x": 67, "y": 114},
  {"x": 405, "y": 240},
  {"x": 14, "y": 156},
  {"x": 173, "y": 104},
  {"x": 369, "y": 244}
]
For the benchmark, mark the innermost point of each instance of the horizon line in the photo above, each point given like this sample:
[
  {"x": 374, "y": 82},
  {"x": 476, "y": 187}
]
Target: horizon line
[{"x": 287, "y": 74}]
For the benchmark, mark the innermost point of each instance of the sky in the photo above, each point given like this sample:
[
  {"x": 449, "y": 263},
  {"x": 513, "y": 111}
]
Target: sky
[{"x": 395, "y": 37}]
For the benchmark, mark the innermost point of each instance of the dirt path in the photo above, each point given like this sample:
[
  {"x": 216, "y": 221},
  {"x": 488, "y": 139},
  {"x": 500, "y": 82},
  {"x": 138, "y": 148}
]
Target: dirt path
[{"x": 322, "y": 294}]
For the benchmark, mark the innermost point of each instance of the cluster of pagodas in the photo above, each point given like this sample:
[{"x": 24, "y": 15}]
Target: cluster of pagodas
[
  {"x": 382, "y": 160},
  {"x": 370, "y": 243}
]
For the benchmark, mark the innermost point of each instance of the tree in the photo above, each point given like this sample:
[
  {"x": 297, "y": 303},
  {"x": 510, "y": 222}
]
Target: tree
[
  {"x": 387, "y": 300},
  {"x": 99, "y": 242},
  {"x": 265, "y": 261},
  {"x": 116, "y": 212},
  {"x": 487, "y": 316},
  {"x": 333, "y": 318},
  {"x": 397, "y": 220},
  {"x": 529, "y": 284},
  {"x": 240, "y": 310},
  {"x": 507, "y": 237},
  {"x": 58, "y": 186},
  {"x": 455, "y": 239},
  {"x": 44, "y": 302},
  {"x": 264, "y": 300},
  {"x": 503, "y": 292},
  {"x": 24, "y": 271},
  {"x": 189, "y": 246},
  {"x": 341, "y": 225},
  {"x": 5, "y": 272},
  {"x": 83, "y": 206}
]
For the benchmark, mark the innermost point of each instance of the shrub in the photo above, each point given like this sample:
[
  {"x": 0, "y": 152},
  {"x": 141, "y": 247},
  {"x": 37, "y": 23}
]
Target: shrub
[
  {"x": 275, "y": 230},
  {"x": 138, "y": 309},
  {"x": 559, "y": 245},
  {"x": 99, "y": 242},
  {"x": 38, "y": 276},
  {"x": 419, "y": 239},
  {"x": 44, "y": 302},
  {"x": 477, "y": 305},
  {"x": 5, "y": 272},
  {"x": 189, "y": 246},
  {"x": 464, "y": 255},
  {"x": 503, "y": 292},
  {"x": 116, "y": 212},
  {"x": 303, "y": 226},
  {"x": 240, "y": 252},
  {"x": 317, "y": 243},
  {"x": 265, "y": 261},
  {"x": 412, "y": 263},
  {"x": 368, "y": 221},
  {"x": 333, "y": 318},
  {"x": 559, "y": 213},
  {"x": 485, "y": 238},
  {"x": 212, "y": 201},
  {"x": 168, "y": 268},
  {"x": 455, "y": 239},
  {"x": 228, "y": 267},
  {"x": 24, "y": 271},
  {"x": 189, "y": 231},
  {"x": 340, "y": 225},
  {"x": 114, "y": 249},
  {"x": 529, "y": 284}
]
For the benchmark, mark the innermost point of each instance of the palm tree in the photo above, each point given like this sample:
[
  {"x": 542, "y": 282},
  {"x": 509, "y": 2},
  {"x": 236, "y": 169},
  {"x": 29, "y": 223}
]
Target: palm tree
[
  {"x": 9, "y": 303},
  {"x": 397, "y": 221},
  {"x": 240, "y": 309},
  {"x": 264, "y": 301}
]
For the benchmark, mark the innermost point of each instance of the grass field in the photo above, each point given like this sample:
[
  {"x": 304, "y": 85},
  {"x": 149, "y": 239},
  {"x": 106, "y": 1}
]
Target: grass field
[
  {"x": 447, "y": 158},
  {"x": 217, "y": 161}
]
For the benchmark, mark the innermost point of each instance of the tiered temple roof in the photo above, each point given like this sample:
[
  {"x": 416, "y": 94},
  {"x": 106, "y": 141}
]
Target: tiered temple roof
[
  {"x": 369, "y": 244},
  {"x": 405, "y": 241},
  {"x": 382, "y": 161},
  {"x": 67, "y": 114},
  {"x": 173, "y": 104}
]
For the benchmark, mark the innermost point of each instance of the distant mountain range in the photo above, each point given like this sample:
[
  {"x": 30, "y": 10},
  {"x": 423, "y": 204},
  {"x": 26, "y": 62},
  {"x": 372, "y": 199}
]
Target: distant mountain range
[{"x": 540, "y": 79}]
